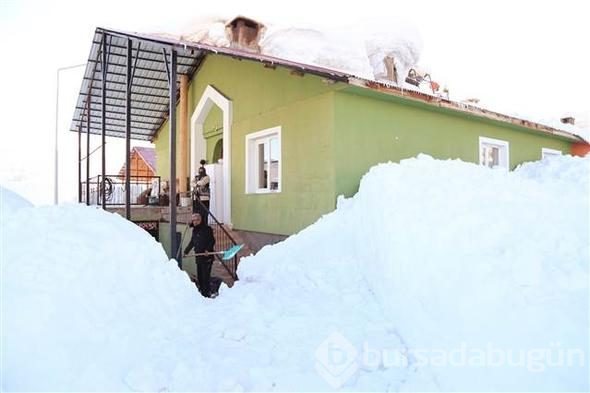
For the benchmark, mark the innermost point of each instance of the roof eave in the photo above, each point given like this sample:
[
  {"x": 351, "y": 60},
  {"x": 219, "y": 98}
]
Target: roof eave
[
  {"x": 460, "y": 107},
  {"x": 338, "y": 76}
]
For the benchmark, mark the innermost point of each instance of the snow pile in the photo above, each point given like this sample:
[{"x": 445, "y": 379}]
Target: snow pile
[
  {"x": 208, "y": 31},
  {"x": 467, "y": 254},
  {"x": 429, "y": 255},
  {"x": 329, "y": 49},
  {"x": 400, "y": 41},
  {"x": 89, "y": 302},
  {"x": 455, "y": 255}
]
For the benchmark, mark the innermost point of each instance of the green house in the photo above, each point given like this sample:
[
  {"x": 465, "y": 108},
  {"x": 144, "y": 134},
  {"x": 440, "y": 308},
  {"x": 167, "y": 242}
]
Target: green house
[{"x": 285, "y": 139}]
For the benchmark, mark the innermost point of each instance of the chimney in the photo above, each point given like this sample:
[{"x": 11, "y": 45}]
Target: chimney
[
  {"x": 244, "y": 33},
  {"x": 568, "y": 120}
]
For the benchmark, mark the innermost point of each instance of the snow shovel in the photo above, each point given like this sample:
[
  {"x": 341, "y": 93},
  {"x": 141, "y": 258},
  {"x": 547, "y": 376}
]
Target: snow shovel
[
  {"x": 225, "y": 255},
  {"x": 181, "y": 243}
]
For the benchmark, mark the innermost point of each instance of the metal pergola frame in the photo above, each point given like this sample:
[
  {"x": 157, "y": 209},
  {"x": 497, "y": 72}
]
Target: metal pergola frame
[{"x": 129, "y": 89}]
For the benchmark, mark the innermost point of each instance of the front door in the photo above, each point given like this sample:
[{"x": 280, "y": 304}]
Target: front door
[{"x": 215, "y": 172}]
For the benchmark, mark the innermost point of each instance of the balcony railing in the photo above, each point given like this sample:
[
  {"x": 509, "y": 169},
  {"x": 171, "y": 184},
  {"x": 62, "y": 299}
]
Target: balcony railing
[{"x": 141, "y": 189}]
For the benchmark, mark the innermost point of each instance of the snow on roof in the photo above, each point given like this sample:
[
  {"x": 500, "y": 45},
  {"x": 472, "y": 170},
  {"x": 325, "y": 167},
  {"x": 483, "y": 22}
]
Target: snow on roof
[
  {"x": 333, "y": 65},
  {"x": 359, "y": 51},
  {"x": 147, "y": 154},
  {"x": 580, "y": 128}
]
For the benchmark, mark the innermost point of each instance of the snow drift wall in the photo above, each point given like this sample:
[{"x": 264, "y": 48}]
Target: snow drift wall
[
  {"x": 466, "y": 254},
  {"x": 89, "y": 301},
  {"x": 429, "y": 255},
  {"x": 455, "y": 253}
]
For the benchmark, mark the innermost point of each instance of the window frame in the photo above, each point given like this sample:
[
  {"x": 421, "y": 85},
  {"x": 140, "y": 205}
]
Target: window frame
[
  {"x": 547, "y": 152},
  {"x": 503, "y": 153},
  {"x": 253, "y": 140}
]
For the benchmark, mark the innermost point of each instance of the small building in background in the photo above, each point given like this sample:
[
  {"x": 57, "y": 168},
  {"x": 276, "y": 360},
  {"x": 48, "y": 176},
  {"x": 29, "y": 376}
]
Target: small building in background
[{"x": 143, "y": 164}]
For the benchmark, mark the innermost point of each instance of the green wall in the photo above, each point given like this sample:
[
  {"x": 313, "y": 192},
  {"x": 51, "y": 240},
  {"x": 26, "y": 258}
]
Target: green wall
[
  {"x": 372, "y": 128},
  {"x": 331, "y": 135},
  {"x": 307, "y": 169},
  {"x": 213, "y": 130},
  {"x": 263, "y": 98}
]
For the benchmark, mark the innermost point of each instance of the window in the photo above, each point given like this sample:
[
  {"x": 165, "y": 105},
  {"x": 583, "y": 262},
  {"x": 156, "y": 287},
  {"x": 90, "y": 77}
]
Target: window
[
  {"x": 548, "y": 153},
  {"x": 263, "y": 161},
  {"x": 493, "y": 153}
]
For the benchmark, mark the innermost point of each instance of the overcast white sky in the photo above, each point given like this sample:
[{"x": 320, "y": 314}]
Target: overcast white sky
[{"x": 521, "y": 56}]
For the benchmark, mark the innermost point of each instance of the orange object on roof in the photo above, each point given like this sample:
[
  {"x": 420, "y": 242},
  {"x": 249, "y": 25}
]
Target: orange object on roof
[{"x": 580, "y": 149}]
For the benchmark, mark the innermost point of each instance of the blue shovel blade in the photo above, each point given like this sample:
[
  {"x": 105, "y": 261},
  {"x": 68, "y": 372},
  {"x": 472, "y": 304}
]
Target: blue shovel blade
[{"x": 231, "y": 252}]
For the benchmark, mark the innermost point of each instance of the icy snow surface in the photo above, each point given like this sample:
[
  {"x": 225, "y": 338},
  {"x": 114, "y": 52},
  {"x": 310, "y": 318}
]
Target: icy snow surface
[{"x": 428, "y": 255}]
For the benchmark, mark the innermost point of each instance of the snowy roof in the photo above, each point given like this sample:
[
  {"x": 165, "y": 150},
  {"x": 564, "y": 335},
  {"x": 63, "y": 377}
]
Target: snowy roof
[
  {"x": 149, "y": 90},
  {"x": 148, "y": 154},
  {"x": 149, "y": 99}
]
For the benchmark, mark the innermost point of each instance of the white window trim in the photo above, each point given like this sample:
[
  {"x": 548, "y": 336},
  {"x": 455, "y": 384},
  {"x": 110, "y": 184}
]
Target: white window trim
[
  {"x": 504, "y": 160},
  {"x": 250, "y": 157},
  {"x": 551, "y": 152}
]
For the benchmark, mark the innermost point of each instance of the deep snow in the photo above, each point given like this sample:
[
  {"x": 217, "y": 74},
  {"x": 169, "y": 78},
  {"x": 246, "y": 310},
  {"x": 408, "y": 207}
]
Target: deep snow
[{"x": 428, "y": 255}]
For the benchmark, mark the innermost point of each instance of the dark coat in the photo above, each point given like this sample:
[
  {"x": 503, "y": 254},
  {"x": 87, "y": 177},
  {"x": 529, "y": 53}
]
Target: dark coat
[{"x": 202, "y": 240}]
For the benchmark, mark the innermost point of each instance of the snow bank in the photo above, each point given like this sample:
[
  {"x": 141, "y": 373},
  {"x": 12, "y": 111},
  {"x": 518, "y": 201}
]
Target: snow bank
[
  {"x": 89, "y": 301},
  {"x": 467, "y": 254},
  {"x": 452, "y": 253},
  {"x": 428, "y": 255}
]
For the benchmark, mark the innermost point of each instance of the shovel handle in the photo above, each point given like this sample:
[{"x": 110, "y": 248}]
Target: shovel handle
[{"x": 203, "y": 254}]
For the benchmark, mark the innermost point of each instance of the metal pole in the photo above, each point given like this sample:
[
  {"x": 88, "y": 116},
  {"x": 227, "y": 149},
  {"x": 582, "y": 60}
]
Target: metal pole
[
  {"x": 80, "y": 163},
  {"x": 172, "y": 144},
  {"x": 103, "y": 120},
  {"x": 128, "y": 134},
  {"x": 56, "y": 158},
  {"x": 88, "y": 152},
  {"x": 56, "y": 179}
]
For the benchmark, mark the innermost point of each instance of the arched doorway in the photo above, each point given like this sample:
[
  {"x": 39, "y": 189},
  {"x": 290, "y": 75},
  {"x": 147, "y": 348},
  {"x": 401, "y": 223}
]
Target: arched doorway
[{"x": 210, "y": 98}]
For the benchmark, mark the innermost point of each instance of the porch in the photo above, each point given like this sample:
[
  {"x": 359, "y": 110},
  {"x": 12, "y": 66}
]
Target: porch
[
  {"x": 155, "y": 220},
  {"x": 133, "y": 87}
]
